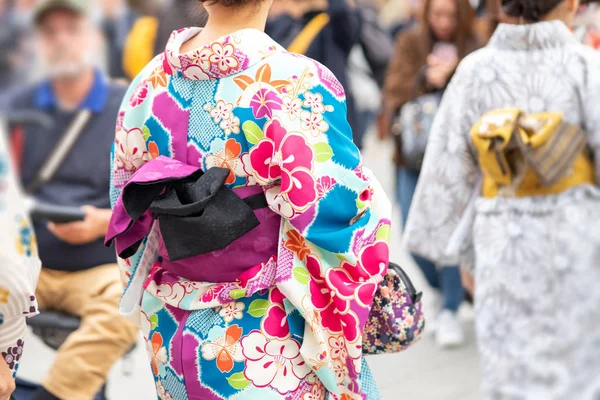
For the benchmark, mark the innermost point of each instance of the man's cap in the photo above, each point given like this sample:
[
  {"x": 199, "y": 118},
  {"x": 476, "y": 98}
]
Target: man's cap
[{"x": 45, "y": 6}]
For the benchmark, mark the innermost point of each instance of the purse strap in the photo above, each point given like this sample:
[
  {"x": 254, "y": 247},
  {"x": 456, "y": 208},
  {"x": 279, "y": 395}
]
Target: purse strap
[
  {"x": 308, "y": 34},
  {"x": 60, "y": 151}
]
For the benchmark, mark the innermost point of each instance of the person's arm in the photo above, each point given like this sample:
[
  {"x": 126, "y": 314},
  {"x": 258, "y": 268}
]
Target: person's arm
[
  {"x": 123, "y": 167},
  {"x": 346, "y": 22},
  {"x": 334, "y": 234}
]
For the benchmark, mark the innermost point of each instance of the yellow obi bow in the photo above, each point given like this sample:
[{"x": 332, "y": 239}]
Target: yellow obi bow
[{"x": 530, "y": 155}]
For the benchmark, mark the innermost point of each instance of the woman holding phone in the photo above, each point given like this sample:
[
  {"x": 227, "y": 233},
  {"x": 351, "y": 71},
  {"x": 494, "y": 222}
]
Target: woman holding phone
[
  {"x": 424, "y": 61},
  {"x": 19, "y": 272}
]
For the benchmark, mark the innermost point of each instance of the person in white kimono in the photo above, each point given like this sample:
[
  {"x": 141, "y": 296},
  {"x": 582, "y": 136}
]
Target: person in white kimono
[
  {"x": 19, "y": 272},
  {"x": 536, "y": 257}
]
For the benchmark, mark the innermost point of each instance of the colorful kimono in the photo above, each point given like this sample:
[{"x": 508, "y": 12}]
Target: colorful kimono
[
  {"x": 279, "y": 312},
  {"x": 20, "y": 266},
  {"x": 536, "y": 259}
]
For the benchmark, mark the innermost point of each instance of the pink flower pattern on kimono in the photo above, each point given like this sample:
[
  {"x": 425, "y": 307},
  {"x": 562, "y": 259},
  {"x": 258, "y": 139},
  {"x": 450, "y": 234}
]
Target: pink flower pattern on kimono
[
  {"x": 359, "y": 282},
  {"x": 275, "y": 323},
  {"x": 264, "y": 102},
  {"x": 335, "y": 312},
  {"x": 289, "y": 158},
  {"x": 325, "y": 184},
  {"x": 273, "y": 363},
  {"x": 139, "y": 94}
]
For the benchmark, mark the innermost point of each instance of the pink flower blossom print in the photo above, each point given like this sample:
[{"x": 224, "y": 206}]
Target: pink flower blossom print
[
  {"x": 286, "y": 157},
  {"x": 264, "y": 102},
  {"x": 139, "y": 94},
  {"x": 275, "y": 324}
]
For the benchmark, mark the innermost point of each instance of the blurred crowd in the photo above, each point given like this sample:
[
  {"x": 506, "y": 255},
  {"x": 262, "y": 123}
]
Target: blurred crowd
[{"x": 131, "y": 32}]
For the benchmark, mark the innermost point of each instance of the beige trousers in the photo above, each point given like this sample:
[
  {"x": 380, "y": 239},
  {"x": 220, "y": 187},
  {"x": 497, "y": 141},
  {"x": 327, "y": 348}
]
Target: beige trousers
[{"x": 84, "y": 360}]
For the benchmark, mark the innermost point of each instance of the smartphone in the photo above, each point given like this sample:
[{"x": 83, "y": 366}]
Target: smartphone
[{"x": 446, "y": 51}]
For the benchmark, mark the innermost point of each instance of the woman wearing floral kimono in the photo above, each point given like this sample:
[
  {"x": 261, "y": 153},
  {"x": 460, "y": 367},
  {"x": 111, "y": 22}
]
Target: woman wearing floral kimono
[
  {"x": 19, "y": 272},
  {"x": 536, "y": 244},
  {"x": 257, "y": 278}
]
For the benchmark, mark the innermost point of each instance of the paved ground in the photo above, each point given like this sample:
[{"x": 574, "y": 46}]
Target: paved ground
[{"x": 422, "y": 373}]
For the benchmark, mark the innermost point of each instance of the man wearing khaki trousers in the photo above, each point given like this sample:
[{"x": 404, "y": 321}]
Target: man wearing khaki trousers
[{"x": 79, "y": 275}]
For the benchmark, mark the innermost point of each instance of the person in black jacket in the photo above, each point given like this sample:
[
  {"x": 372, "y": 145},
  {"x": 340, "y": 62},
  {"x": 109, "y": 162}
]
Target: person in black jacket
[{"x": 332, "y": 45}]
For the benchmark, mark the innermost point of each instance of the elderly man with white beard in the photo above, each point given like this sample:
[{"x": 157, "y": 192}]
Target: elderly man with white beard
[{"x": 79, "y": 275}]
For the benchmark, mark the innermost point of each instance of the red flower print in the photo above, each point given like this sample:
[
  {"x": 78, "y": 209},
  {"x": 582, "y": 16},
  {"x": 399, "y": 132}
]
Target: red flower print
[
  {"x": 264, "y": 102},
  {"x": 335, "y": 312},
  {"x": 359, "y": 282},
  {"x": 289, "y": 158},
  {"x": 139, "y": 94},
  {"x": 275, "y": 324},
  {"x": 348, "y": 284},
  {"x": 365, "y": 195}
]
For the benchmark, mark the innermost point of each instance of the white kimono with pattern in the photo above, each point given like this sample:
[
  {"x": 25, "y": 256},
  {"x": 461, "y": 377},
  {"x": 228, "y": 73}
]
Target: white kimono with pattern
[
  {"x": 19, "y": 267},
  {"x": 537, "y": 259}
]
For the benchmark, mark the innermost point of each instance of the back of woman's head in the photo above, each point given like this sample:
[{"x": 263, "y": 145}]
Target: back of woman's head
[{"x": 529, "y": 10}]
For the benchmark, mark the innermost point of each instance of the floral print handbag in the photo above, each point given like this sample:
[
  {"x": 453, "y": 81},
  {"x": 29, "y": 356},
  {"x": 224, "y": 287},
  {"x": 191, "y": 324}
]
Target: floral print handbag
[{"x": 396, "y": 320}]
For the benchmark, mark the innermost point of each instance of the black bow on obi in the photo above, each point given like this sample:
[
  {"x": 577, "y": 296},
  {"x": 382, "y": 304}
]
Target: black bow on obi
[{"x": 197, "y": 213}]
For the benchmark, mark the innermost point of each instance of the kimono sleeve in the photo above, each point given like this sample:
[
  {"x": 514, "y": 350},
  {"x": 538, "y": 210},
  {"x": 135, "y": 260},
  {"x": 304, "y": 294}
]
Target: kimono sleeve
[
  {"x": 333, "y": 246},
  {"x": 20, "y": 266},
  {"x": 448, "y": 179},
  {"x": 130, "y": 151}
]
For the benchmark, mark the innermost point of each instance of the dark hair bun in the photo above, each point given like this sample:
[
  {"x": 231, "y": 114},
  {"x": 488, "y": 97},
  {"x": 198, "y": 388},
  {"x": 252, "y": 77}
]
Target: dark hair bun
[{"x": 529, "y": 10}]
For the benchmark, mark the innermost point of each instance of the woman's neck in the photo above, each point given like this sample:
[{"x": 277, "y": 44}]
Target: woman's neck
[{"x": 223, "y": 21}]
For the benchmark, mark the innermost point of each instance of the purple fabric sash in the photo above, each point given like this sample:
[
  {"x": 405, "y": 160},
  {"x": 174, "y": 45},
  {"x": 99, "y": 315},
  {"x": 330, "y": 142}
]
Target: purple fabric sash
[{"x": 225, "y": 265}]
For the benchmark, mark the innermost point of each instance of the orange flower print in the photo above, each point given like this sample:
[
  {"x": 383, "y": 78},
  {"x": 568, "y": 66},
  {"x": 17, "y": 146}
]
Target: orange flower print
[
  {"x": 158, "y": 353},
  {"x": 226, "y": 349},
  {"x": 153, "y": 150},
  {"x": 227, "y": 157},
  {"x": 262, "y": 77},
  {"x": 157, "y": 78},
  {"x": 297, "y": 244}
]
